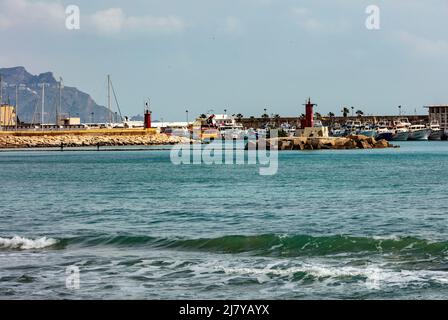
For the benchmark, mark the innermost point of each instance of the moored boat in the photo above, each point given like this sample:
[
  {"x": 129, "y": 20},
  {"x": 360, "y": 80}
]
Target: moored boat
[
  {"x": 400, "y": 131},
  {"x": 419, "y": 132},
  {"x": 436, "y": 132},
  {"x": 400, "y": 135},
  {"x": 384, "y": 133}
]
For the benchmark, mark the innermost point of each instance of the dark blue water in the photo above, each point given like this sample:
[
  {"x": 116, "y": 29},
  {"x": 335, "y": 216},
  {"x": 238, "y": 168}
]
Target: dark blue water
[{"x": 363, "y": 224}]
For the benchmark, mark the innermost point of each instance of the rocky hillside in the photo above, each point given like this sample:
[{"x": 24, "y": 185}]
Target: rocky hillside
[{"x": 74, "y": 101}]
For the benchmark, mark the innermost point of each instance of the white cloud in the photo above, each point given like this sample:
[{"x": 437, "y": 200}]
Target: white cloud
[
  {"x": 37, "y": 15},
  {"x": 305, "y": 19},
  {"x": 114, "y": 20},
  {"x": 23, "y": 14},
  {"x": 423, "y": 46}
]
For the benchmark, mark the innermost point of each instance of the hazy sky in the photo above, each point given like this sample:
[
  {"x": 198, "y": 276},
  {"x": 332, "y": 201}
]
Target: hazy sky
[{"x": 243, "y": 55}]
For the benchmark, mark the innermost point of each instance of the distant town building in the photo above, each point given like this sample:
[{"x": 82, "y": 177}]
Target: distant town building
[
  {"x": 70, "y": 121},
  {"x": 439, "y": 113},
  {"x": 7, "y": 115}
]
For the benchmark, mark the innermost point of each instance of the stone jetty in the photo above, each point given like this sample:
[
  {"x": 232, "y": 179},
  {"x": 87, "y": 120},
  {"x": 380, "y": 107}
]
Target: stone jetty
[
  {"x": 335, "y": 143},
  {"x": 51, "y": 141}
]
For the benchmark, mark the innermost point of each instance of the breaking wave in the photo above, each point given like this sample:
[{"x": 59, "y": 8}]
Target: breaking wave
[
  {"x": 277, "y": 245},
  {"x": 21, "y": 243}
]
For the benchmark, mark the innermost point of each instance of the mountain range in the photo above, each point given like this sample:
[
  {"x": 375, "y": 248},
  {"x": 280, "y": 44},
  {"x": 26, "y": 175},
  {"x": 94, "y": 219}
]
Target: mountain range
[{"x": 75, "y": 103}]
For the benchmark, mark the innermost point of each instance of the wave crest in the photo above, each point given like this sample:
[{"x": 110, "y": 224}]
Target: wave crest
[{"x": 22, "y": 243}]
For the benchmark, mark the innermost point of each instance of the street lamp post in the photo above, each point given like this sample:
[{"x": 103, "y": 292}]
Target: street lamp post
[{"x": 186, "y": 111}]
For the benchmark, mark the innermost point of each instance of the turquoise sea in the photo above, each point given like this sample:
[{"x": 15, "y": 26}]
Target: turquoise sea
[{"x": 348, "y": 224}]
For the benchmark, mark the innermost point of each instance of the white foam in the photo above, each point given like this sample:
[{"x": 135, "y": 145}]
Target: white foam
[
  {"x": 375, "y": 276},
  {"x": 26, "y": 244}
]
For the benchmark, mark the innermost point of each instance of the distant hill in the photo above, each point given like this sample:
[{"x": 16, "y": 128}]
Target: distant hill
[{"x": 74, "y": 101}]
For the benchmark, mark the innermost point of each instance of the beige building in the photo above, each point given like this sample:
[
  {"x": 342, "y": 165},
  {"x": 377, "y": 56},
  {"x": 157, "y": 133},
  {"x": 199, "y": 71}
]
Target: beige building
[
  {"x": 70, "y": 121},
  {"x": 439, "y": 113},
  {"x": 7, "y": 115}
]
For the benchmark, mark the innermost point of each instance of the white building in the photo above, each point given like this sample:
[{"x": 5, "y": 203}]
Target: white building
[{"x": 439, "y": 113}]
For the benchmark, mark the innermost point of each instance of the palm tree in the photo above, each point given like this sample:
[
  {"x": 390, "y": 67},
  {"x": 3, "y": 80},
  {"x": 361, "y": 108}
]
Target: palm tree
[
  {"x": 345, "y": 111},
  {"x": 203, "y": 116},
  {"x": 318, "y": 116},
  {"x": 359, "y": 113},
  {"x": 265, "y": 116},
  {"x": 239, "y": 116},
  {"x": 331, "y": 114}
]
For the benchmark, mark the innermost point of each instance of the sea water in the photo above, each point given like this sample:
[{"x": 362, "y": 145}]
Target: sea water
[{"x": 347, "y": 224}]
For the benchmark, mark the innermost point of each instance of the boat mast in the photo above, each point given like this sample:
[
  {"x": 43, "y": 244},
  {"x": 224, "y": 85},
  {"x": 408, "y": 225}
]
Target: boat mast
[
  {"x": 17, "y": 105},
  {"x": 1, "y": 90},
  {"x": 1, "y": 98},
  {"x": 108, "y": 99},
  {"x": 59, "y": 108},
  {"x": 42, "y": 107}
]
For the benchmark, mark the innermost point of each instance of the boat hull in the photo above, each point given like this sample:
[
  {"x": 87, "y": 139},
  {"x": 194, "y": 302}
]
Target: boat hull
[
  {"x": 420, "y": 135},
  {"x": 436, "y": 135},
  {"x": 400, "y": 136},
  {"x": 384, "y": 136}
]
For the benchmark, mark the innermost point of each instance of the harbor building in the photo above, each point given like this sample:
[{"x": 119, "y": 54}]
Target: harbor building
[{"x": 439, "y": 113}]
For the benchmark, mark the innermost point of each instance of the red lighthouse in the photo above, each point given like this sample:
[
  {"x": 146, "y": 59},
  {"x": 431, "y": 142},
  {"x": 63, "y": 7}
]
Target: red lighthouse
[
  {"x": 309, "y": 114},
  {"x": 147, "y": 121}
]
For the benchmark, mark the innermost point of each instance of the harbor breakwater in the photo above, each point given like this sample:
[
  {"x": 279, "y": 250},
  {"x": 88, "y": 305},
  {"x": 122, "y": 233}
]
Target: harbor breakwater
[
  {"x": 86, "y": 140},
  {"x": 335, "y": 143},
  {"x": 144, "y": 139}
]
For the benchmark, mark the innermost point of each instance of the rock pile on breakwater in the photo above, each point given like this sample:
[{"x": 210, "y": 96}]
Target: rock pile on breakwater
[
  {"x": 335, "y": 143},
  {"x": 44, "y": 141}
]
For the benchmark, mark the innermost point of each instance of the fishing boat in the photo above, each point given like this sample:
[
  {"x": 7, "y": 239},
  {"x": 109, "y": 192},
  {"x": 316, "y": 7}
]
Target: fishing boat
[
  {"x": 337, "y": 130},
  {"x": 400, "y": 131},
  {"x": 367, "y": 130},
  {"x": 383, "y": 131},
  {"x": 400, "y": 134},
  {"x": 436, "y": 132},
  {"x": 419, "y": 132}
]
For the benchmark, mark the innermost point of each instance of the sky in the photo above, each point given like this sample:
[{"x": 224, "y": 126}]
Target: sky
[{"x": 239, "y": 55}]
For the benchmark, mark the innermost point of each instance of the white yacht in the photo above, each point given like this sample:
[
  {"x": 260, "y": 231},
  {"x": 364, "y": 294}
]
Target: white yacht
[
  {"x": 229, "y": 127},
  {"x": 419, "y": 132}
]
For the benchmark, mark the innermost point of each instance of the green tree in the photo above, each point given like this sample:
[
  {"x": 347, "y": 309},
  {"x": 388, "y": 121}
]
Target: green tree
[
  {"x": 359, "y": 113},
  {"x": 345, "y": 112}
]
